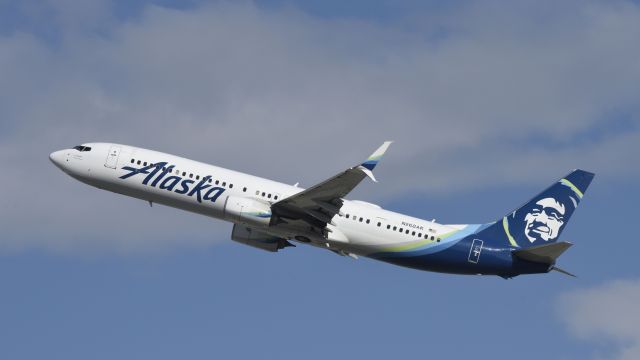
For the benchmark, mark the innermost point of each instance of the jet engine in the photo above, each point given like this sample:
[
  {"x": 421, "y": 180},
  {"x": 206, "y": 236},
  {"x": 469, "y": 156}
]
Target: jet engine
[{"x": 248, "y": 236}]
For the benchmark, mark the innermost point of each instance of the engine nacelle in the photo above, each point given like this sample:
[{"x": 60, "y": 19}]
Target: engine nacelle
[
  {"x": 242, "y": 210},
  {"x": 248, "y": 236}
]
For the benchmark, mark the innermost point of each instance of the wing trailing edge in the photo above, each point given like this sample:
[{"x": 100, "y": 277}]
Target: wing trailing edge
[{"x": 318, "y": 204}]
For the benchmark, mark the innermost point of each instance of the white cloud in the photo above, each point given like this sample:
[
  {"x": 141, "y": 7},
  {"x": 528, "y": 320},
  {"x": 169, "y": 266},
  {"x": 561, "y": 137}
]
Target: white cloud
[
  {"x": 286, "y": 95},
  {"x": 606, "y": 315}
]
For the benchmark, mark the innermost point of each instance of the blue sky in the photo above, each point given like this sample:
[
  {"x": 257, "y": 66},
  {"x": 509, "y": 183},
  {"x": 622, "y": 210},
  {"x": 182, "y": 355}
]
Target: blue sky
[{"x": 488, "y": 102}]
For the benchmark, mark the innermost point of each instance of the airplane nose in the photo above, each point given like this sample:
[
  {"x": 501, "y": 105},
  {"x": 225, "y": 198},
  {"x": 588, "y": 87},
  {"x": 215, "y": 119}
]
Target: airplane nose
[{"x": 57, "y": 158}]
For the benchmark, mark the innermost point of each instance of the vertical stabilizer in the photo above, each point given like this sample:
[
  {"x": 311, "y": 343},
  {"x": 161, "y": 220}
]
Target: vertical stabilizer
[{"x": 543, "y": 218}]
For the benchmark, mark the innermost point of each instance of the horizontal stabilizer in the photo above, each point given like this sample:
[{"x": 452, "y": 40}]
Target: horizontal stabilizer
[{"x": 546, "y": 254}]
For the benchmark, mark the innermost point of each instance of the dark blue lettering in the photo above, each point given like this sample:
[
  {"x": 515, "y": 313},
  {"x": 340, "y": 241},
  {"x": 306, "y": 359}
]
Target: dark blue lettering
[
  {"x": 201, "y": 186},
  {"x": 170, "y": 182},
  {"x": 157, "y": 177},
  {"x": 157, "y": 168},
  {"x": 134, "y": 171},
  {"x": 213, "y": 194},
  {"x": 164, "y": 172},
  {"x": 185, "y": 186}
]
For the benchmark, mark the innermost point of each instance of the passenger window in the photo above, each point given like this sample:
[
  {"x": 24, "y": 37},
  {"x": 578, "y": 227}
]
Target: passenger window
[
  {"x": 400, "y": 229},
  {"x": 394, "y": 228},
  {"x": 269, "y": 196},
  {"x": 224, "y": 183},
  {"x": 368, "y": 221},
  {"x": 184, "y": 173},
  {"x": 145, "y": 163},
  {"x": 388, "y": 226},
  {"x": 230, "y": 186},
  {"x": 275, "y": 197},
  {"x": 210, "y": 180},
  {"x": 407, "y": 232},
  {"x": 197, "y": 177},
  {"x": 347, "y": 216},
  {"x": 438, "y": 240},
  {"x": 413, "y": 233},
  {"x": 263, "y": 194},
  {"x": 244, "y": 189},
  {"x": 379, "y": 224},
  {"x": 257, "y": 191},
  {"x": 419, "y": 234},
  {"x": 139, "y": 162},
  {"x": 361, "y": 219},
  {"x": 132, "y": 161}
]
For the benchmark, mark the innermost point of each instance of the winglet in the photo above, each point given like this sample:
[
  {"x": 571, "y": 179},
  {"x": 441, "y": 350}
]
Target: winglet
[{"x": 372, "y": 161}]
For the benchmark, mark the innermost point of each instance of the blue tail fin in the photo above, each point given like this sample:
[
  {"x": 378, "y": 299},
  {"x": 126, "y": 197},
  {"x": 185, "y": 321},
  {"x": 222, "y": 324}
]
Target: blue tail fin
[{"x": 542, "y": 219}]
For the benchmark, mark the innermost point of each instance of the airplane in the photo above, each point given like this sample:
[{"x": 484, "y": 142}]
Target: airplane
[{"x": 272, "y": 216}]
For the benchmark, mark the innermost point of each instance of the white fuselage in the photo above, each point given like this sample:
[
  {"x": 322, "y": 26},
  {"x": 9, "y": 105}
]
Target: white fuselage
[{"x": 363, "y": 228}]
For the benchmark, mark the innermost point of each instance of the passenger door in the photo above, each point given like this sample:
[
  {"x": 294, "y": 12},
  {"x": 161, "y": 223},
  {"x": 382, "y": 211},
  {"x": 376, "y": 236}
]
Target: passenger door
[{"x": 112, "y": 157}]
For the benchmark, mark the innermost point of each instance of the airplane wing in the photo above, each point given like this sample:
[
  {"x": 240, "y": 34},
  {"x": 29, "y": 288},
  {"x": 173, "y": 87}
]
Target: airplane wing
[{"x": 318, "y": 204}]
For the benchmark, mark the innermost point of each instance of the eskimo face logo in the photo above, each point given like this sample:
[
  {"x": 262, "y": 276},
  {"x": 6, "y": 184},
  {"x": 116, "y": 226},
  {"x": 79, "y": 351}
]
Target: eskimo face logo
[{"x": 544, "y": 220}]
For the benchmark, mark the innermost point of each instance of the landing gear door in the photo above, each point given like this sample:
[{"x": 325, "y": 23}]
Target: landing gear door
[{"x": 112, "y": 157}]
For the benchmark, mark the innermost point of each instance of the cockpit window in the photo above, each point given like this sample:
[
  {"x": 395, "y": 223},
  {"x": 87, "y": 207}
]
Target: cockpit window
[{"x": 82, "y": 148}]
